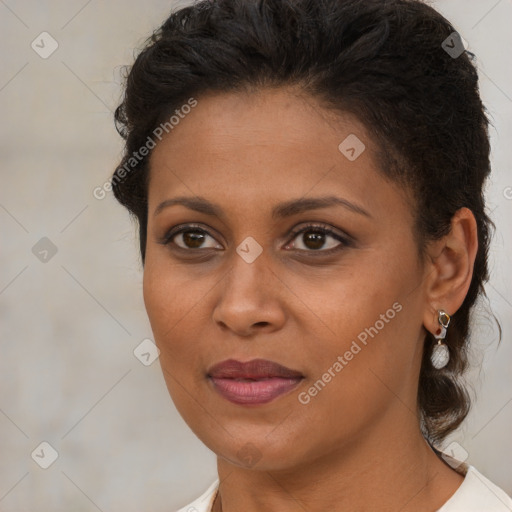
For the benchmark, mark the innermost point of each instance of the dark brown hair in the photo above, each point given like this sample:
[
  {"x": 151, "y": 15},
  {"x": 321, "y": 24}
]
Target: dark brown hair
[{"x": 385, "y": 61}]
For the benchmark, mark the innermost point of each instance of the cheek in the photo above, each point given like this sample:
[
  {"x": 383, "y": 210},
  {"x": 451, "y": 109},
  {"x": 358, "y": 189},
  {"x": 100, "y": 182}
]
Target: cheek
[
  {"x": 354, "y": 378},
  {"x": 365, "y": 346},
  {"x": 172, "y": 317},
  {"x": 171, "y": 296},
  {"x": 169, "y": 303}
]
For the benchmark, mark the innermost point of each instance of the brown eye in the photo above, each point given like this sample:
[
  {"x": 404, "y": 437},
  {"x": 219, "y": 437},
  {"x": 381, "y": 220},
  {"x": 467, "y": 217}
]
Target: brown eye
[
  {"x": 190, "y": 237},
  {"x": 314, "y": 238}
]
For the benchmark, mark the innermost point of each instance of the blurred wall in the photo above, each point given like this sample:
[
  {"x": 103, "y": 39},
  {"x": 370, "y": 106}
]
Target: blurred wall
[{"x": 70, "y": 280}]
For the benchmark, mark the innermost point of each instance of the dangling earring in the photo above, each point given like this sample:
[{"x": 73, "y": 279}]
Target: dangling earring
[{"x": 440, "y": 353}]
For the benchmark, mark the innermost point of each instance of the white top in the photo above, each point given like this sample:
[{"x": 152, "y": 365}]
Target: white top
[{"x": 475, "y": 494}]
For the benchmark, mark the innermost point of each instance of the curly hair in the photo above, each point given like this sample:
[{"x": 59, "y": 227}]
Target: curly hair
[{"x": 385, "y": 62}]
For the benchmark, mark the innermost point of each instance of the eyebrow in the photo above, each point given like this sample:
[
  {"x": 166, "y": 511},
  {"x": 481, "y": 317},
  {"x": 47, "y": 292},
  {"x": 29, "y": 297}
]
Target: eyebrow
[{"x": 282, "y": 210}]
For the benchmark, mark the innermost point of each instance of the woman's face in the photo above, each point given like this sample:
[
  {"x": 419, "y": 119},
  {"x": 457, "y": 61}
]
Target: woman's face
[{"x": 342, "y": 311}]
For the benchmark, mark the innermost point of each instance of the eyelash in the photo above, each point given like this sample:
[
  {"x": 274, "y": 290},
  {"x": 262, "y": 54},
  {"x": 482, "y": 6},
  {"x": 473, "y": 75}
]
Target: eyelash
[{"x": 317, "y": 228}]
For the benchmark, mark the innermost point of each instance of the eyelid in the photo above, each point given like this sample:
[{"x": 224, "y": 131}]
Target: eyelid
[
  {"x": 176, "y": 230},
  {"x": 322, "y": 227},
  {"x": 344, "y": 238}
]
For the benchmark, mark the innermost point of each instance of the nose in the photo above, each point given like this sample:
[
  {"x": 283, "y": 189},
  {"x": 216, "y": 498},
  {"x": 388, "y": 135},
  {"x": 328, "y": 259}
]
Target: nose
[{"x": 250, "y": 299}]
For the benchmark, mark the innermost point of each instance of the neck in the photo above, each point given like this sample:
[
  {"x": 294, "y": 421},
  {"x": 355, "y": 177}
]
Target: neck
[{"x": 387, "y": 469}]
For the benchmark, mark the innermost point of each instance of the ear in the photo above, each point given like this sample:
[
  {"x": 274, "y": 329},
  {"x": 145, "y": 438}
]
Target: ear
[{"x": 449, "y": 269}]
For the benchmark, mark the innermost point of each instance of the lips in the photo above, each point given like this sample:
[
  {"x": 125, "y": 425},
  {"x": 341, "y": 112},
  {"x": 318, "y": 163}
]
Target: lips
[{"x": 255, "y": 382}]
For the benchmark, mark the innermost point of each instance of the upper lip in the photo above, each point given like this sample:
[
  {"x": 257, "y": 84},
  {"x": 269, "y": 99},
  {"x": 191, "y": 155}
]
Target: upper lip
[{"x": 254, "y": 369}]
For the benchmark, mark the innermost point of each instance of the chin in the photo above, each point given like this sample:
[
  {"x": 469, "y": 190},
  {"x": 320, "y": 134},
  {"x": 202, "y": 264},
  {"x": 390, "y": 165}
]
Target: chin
[{"x": 255, "y": 450}]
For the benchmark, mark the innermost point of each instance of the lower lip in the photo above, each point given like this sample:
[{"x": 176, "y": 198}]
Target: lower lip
[{"x": 253, "y": 392}]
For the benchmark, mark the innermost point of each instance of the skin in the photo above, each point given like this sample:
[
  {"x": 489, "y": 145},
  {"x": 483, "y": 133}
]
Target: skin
[{"x": 356, "y": 445}]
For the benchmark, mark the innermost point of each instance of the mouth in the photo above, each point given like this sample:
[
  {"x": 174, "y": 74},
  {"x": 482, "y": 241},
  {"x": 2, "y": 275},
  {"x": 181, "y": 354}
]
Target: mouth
[{"x": 255, "y": 382}]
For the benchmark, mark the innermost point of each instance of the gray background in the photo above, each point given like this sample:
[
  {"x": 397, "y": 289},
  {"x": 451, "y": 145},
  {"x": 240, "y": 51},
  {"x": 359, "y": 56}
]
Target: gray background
[{"x": 69, "y": 325}]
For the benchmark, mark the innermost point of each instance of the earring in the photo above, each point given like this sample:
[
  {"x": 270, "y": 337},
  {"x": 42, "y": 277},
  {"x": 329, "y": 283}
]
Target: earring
[{"x": 440, "y": 353}]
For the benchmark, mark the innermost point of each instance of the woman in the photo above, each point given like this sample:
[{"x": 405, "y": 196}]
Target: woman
[{"x": 308, "y": 181}]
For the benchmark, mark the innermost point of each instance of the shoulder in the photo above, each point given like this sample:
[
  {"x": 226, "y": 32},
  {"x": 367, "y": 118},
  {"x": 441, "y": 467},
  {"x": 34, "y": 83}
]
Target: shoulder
[
  {"x": 204, "y": 502},
  {"x": 478, "y": 494}
]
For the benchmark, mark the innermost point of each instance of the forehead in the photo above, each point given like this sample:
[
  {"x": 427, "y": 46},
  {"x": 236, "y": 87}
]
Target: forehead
[
  {"x": 266, "y": 146},
  {"x": 279, "y": 118}
]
